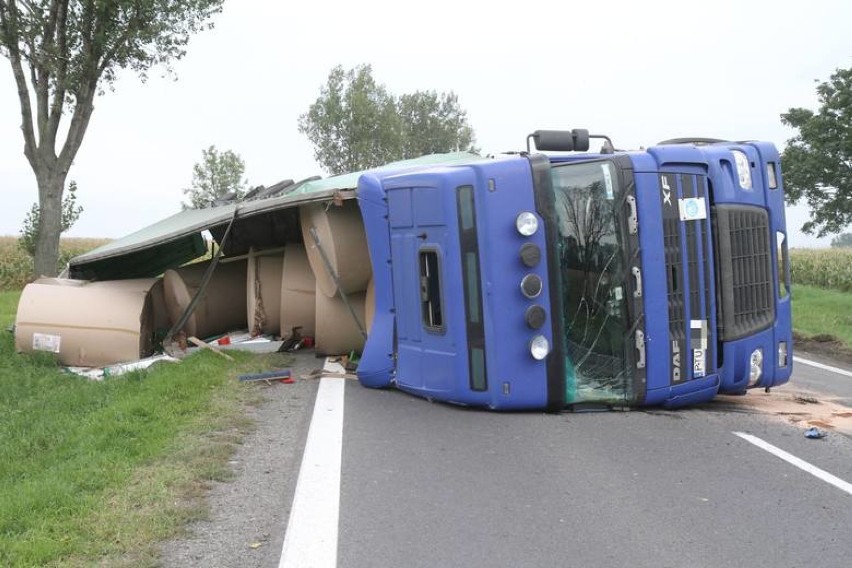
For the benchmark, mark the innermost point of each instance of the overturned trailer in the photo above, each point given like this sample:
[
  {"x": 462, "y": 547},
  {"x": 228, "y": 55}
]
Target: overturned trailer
[{"x": 522, "y": 281}]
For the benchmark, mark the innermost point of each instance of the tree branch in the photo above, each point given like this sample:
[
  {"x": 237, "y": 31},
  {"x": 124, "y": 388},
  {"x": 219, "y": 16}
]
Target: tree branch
[
  {"x": 59, "y": 88},
  {"x": 79, "y": 122},
  {"x": 40, "y": 65},
  {"x": 9, "y": 21}
]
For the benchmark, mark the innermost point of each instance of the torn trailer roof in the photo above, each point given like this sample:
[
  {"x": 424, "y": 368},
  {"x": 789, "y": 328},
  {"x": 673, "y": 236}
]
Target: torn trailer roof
[{"x": 267, "y": 218}]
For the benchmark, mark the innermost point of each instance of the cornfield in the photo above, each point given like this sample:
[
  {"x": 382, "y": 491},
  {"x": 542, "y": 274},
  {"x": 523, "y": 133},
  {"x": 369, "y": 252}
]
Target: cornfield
[
  {"x": 16, "y": 266},
  {"x": 826, "y": 268}
]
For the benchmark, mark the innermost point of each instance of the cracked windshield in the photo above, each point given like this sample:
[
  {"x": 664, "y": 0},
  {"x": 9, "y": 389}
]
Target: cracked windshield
[{"x": 587, "y": 198}]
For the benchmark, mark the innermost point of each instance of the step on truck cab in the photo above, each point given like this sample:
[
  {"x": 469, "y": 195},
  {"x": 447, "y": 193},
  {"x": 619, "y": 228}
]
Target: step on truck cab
[{"x": 553, "y": 281}]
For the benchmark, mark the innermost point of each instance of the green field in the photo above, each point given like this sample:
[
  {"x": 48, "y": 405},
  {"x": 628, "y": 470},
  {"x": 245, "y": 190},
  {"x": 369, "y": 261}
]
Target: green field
[
  {"x": 16, "y": 266},
  {"x": 818, "y": 312},
  {"x": 98, "y": 472},
  {"x": 826, "y": 268}
]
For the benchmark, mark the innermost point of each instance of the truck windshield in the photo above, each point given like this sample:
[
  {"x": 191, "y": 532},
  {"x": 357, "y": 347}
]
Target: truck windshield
[{"x": 588, "y": 201}]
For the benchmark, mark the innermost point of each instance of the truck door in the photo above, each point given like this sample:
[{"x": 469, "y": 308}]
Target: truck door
[{"x": 423, "y": 260}]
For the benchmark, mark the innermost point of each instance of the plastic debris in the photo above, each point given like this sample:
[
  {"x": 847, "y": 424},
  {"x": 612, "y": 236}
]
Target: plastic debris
[
  {"x": 815, "y": 433},
  {"x": 98, "y": 373}
]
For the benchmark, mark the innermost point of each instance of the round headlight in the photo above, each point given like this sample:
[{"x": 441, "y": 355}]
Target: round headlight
[
  {"x": 535, "y": 317},
  {"x": 755, "y": 366},
  {"x": 531, "y": 286},
  {"x": 539, "y": 347},
  {"x": 530, "y": 255},
  {"x": 527, "y": 224}
]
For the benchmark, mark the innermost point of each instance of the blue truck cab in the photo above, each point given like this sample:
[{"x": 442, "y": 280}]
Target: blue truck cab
[{"x": 559, "y": 280}]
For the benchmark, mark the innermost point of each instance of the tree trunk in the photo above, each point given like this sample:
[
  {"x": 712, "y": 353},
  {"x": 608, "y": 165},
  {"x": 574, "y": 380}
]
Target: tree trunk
[{"x": 50, "y": 188}]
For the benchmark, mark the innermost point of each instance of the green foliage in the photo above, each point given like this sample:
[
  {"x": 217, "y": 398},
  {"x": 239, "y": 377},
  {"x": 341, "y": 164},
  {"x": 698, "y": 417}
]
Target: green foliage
[
  {"x": 826, "y": 268},
  {"x": 217, "y": 175},
  {"x": 70, "y": 214},
  {"x": 817, "y": 162},
  {"x": 356, "y": 124},
  {"x": 433, "y": 123},
  {"x": 842, "y": 241},
  {"x": 63, "y": 53}
]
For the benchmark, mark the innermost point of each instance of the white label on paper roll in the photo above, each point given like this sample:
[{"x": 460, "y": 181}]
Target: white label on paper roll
[{"x": 45, "y": 342}]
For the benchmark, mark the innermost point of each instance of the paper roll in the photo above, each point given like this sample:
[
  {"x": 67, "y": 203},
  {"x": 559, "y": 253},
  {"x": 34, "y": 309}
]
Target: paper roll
[
  {"x": 219, "y": 310},
  {"x": 336, "y": 331},
  {"x": 88, "y": 323},
  {"x": 263, "y": 293},
  {"x": 298, "y": 288},
  {"x": 342, "y": 237}
]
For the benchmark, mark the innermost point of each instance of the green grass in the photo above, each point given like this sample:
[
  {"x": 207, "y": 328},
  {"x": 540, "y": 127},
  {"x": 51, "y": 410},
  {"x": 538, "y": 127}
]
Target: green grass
[
  {"x": 98, "y": 472},
  {"x": 817, "y": 311}
]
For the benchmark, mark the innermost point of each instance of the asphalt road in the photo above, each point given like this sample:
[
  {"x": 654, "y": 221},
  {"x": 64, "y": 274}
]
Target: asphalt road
[{"x": 432, "y": 485}]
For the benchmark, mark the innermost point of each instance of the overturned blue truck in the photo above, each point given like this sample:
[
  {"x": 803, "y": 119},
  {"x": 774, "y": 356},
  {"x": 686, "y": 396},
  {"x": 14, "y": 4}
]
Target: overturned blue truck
[{"x": 551, "y": 278}]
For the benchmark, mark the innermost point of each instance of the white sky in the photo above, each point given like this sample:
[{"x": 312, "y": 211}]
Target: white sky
[{"x": 640, "y": 71}]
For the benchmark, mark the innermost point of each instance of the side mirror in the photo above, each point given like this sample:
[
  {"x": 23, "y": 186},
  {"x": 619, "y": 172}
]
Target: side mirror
[
  {"x": 581, "y": 139},
  {"x": 552, "y": 140},
  {"x": 576, "y": 140}
]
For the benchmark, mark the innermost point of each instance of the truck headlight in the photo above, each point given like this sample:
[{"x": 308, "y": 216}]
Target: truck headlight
[
  {"x": 527, "y": 223},
  {"x": 531, "y": 286},
  {"x": 756, "y": 366},
  {"x": 743, "y": 168},
  {"x": 539, "y": 347}
]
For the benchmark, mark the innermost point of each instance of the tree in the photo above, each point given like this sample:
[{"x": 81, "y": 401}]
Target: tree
[
  {"x": 217, "y": 175},
  {"x": 356, "y": 124},
  {"x": 433, "y": 123},
  {"x": 842, "y": 241},
  {"x": 70, "y": 214},
  {"x": 818, "y": 160},
  {"x": 63, "y": 53}
]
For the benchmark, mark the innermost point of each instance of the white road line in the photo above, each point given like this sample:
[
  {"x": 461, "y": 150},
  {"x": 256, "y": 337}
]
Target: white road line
[
  {"x": 800, "y": 463},
  {"x": 837, "y": 370},
  {"x": 311, "y": 538}
]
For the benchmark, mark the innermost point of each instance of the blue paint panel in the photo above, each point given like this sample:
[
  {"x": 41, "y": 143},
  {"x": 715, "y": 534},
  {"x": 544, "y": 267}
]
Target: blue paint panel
[
  {"x": 377, "y": 368},
  {"x": 400, "y": 209},
  {"x": 428, "y": 209},
  {"x": 652, "y": 251}
]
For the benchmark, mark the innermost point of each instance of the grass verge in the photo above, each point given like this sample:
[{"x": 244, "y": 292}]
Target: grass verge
[
  {"x": 98, "y": 473},
  {"x": 822, "y": 315}
]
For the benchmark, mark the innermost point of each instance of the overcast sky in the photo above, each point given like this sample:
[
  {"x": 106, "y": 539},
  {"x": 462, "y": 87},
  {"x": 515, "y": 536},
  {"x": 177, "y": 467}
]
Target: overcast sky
[{"x": 638, "y": 71}]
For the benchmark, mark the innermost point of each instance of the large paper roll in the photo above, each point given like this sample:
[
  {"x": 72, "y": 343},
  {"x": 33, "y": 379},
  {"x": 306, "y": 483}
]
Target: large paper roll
[
  {"x": 220, "y": 310},
  {"x": 298, "y": 288},
  {"x": 263, "y": 299},
  {"x": 336, "y": 331},
  {"x": 342, "y": 237},
  {"x": 89, "y": 323}
]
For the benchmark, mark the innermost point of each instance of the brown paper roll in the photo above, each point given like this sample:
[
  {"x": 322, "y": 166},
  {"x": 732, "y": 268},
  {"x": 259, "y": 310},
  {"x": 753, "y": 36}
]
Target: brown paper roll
[
  {"x": 298, "y": 288},
  {"x": 263, "y": 293},
  {"x": 370, "y": 308},
  {"x": 220, "y": 310},
  {"x": 341, "y": 234},
  {"x": 336, "y": 331},
  {"x": 87, "y": 323}
]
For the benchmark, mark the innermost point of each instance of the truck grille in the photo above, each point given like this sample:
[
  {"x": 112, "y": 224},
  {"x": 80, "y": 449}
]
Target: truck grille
[
  {"x": 688, "y": 280},
  {"x": 744, "y": 270}
]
